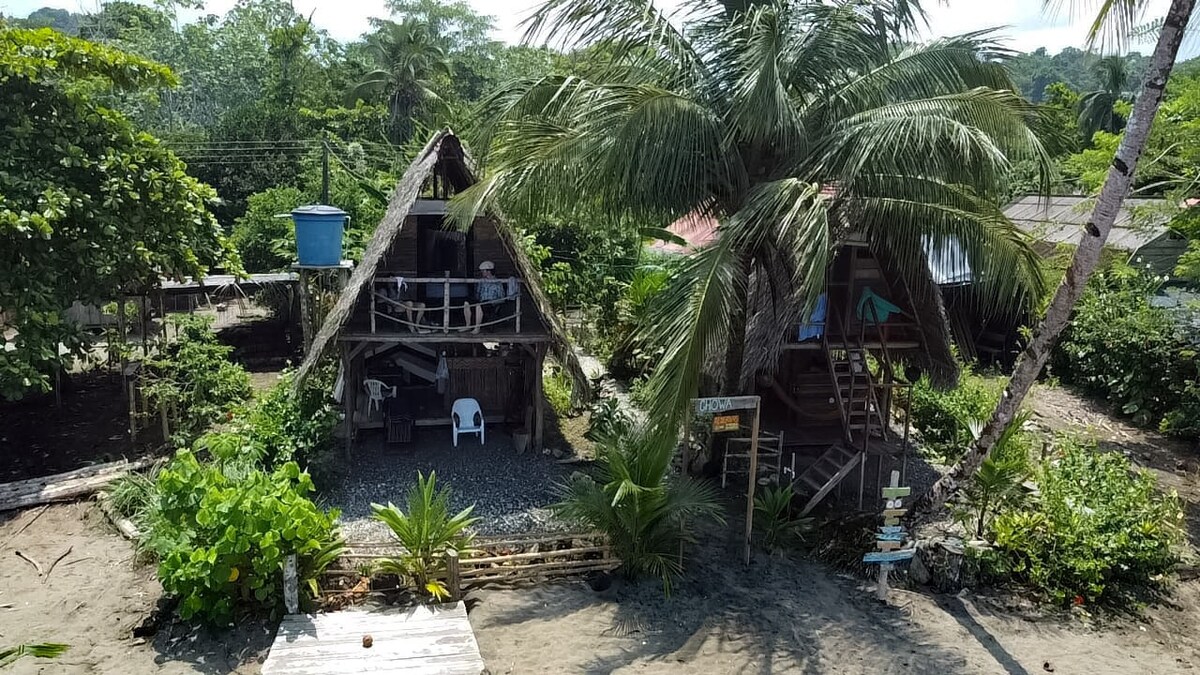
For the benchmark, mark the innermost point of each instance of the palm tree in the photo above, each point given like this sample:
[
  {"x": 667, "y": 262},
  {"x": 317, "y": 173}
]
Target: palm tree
[
  {"x": 408, "y": 63},
  {"x": 793, "y": 122},
  {"x": 1116, "y": 16},
  {"x": 1096, "y": 107}
]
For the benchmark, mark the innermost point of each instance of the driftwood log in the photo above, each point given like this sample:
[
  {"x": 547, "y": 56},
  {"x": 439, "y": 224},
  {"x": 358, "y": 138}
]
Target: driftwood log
[{"x": 64, "y": 486}]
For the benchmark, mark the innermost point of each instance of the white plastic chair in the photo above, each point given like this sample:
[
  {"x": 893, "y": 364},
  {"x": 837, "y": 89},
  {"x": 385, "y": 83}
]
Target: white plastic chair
[
  {"x": 466, "y": 418},
  {"x": 376, "y": 391}
]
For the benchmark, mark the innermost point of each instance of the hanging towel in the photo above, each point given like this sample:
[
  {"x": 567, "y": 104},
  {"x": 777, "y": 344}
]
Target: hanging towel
[
  {"x": 883, "y": 308},
  {"x": 442, "y": 374},
  {"x": 400, "y": 286},
  {"x": 513, "y": 288},
  {"x": 815, "y": 326}
]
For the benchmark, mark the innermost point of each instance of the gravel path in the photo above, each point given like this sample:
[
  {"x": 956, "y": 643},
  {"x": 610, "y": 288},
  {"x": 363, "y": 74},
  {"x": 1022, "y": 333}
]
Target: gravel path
[{"x": 510, "y": 492}]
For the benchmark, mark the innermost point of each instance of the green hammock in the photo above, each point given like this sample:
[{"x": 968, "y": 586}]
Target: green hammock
[{"x": 883, "y": 308}]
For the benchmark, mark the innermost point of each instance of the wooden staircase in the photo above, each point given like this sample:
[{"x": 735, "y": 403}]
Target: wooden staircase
[
  {"x": 823, "y": 475},
  {"x": 770, "y": 456}
]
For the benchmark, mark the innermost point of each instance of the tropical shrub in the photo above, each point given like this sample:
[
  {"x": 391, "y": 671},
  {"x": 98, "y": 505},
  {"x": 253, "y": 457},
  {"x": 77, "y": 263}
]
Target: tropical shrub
[
  {"x": 426, "y": 532},
  {"x": 1096, "y": 529},
  {"x": 773, "y": 518},
  {"x": 646, "y": 512},
  {"x": 264, "y": 242},
  {"x": 557, "y": 388},
  {"x": 222, "y": 531},
  {"x": 285, "y": 425},
  {"x": 945, "y": 418},
  {"x": 999, "y": 483},
  {"x": 1138, "y": 357},
  {"x": 194, "y": 376},
  {"x": 607, "y": 420}
]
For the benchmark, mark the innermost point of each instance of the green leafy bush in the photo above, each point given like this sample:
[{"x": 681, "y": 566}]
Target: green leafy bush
[
  {"x": 999, "y": 483},
  {"x": 945, "y": 418},
  {"x": 557, "y": 388},
  {"x": 222, "y": 530},
  {"x": 607, "y": 420},
  {"x": 645, "y": 511},
  {"x": 773, "y": 518},
  {"x": 426, "y": 532},
  {"x": 285, "y": 425},
  {"x": 1097, "y": 527},
  {"x": 195, "y": 377},
  {"x": 1135, "y": 356}
]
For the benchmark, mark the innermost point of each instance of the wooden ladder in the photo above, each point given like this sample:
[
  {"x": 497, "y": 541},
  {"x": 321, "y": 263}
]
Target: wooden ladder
[
  {"x": 824, "y": 474},
  {"x": 770, "y": 448}
]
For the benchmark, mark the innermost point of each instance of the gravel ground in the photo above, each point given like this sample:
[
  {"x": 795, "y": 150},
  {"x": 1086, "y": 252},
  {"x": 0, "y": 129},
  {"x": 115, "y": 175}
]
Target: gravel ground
[{"x": 510, "y": 492}]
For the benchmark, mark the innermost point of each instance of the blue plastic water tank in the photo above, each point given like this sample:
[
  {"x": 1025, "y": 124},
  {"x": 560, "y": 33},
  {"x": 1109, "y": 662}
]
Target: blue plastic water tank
[{"x": 319, "y": 235}]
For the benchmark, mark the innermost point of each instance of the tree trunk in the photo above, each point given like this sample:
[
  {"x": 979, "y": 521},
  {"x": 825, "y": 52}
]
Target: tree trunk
[{"x": 1087, "y": 255}]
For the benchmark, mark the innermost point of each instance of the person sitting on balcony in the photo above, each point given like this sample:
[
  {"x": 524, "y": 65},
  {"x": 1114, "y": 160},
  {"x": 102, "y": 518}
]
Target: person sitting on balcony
[
  {"x": 405, "y": 300},
  {"x": 491, "y": 294}
]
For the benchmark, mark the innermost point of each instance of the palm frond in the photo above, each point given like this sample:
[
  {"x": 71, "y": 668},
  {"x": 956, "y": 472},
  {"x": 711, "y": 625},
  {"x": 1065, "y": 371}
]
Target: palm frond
[{"x": 1113, "y": 21}]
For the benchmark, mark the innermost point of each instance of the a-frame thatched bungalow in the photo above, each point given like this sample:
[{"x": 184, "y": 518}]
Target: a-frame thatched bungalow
[{"x": 420, "y": 314}]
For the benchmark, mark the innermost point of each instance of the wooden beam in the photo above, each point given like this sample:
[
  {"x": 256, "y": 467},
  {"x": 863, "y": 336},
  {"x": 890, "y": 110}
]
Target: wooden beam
[
  {"x": 539, "y": 405},
  {"x": 349, "y": 397}
]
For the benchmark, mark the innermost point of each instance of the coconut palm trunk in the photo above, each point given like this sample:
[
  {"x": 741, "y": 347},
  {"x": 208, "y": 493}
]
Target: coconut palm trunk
[{"x": 1087, "y": 256}]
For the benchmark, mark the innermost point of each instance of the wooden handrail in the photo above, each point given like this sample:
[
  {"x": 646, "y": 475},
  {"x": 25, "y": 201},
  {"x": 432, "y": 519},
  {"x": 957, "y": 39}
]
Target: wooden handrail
[{"x": 391, "y": 279}]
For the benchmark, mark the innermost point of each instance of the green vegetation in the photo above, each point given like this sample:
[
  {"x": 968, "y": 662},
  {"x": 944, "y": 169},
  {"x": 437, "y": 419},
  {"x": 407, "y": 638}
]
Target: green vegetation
[
  {"x": 44, "y": 650},
  {"x": 556, "y": 386},
  {"x": 773, "y": 518},
  {"x": 194, "y": 379},
  {"x": 91, "y": 205},
  {"x": 646, "y": 512},
  {"x": 426, "y": 532},
  {"x": 1139, "y": 358},
  {"x": 1096, "y": 529},
  {"x": 285, "y": 425},
  {"x": 221, "y": 531},
  {"x": 949, "y": 420}
]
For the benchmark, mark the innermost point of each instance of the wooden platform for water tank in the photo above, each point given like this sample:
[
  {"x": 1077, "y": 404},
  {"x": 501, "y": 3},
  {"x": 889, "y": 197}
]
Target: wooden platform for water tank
[{"x": 435, "y": 640}]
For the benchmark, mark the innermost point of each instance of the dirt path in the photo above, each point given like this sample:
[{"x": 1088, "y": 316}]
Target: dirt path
[
  {"x": 93, "y": 599},
  {"x": 787, "y": 616}
]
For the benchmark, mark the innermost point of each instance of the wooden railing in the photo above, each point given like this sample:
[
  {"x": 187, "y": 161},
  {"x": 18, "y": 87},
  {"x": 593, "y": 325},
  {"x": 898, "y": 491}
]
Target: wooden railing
[{"x": 455, "y": 294}]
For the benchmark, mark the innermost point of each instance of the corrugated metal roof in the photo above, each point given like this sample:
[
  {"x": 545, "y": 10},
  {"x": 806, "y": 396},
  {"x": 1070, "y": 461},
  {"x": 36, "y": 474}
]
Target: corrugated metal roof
[{"x": 1060, "y": 220}]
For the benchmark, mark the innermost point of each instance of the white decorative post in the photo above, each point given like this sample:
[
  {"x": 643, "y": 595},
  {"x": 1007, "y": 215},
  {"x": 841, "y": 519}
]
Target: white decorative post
[{"x": 291, "y": 591}]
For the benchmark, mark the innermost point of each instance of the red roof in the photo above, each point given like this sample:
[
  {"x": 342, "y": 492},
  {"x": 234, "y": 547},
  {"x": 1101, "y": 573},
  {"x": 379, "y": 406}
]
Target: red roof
[{"x": 698, "y": 229}]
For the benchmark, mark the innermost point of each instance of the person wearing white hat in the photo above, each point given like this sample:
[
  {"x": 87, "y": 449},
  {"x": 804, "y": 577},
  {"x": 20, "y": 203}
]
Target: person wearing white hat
[{"x": 490, "y": 293}]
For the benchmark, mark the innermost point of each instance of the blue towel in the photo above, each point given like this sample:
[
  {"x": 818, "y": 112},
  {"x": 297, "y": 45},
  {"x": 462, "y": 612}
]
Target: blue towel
[{"x": 815, "y": 326}]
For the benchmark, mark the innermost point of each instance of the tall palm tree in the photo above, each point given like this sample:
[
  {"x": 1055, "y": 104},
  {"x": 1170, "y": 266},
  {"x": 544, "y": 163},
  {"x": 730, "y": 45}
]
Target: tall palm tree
[
  {"x": 1119, "y": 17},
  {"x": 793, "y": 122},
  {"x": 408, "y": 63},
  {"x": 1096, "y": 111}
]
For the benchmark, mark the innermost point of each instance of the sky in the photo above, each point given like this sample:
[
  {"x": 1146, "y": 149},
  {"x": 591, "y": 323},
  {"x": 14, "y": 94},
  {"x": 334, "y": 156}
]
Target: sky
[{"x": 1023, "y": 22}]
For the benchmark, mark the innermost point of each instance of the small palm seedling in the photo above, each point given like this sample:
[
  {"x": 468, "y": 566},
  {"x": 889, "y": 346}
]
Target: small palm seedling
[
  {"x": 773, "y": 518},
  {"x": 426, "y": 532}
]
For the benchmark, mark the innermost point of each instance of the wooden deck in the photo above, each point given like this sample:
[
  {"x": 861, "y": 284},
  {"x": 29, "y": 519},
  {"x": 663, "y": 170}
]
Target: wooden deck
[{"x": 433, "y": 640}]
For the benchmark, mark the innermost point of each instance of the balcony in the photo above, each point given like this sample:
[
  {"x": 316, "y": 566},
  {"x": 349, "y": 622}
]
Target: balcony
[{"x": 433, "y": 309}]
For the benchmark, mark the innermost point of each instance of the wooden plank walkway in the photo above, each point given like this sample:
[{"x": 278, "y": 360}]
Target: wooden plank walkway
[{"x": 433, "y": 640}]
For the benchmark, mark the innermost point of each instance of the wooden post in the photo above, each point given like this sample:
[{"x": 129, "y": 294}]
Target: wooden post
[
  {"x": 131, "y": 389},
  {"x": 453, "y": 575},
  {"x": 539, "y": 406},
  {"x": 291, "y": 590},
  {"x": 881, "y": 583},
  {"x": 518, "y": 301},
  {"x": 162, "y": 416},
  {"x": 372, "y": 292},
  {"x": 121, "y": 332},
  {"x": 753, "y": 480},
  {"x": 349, "y": 402},
  {"x": 446, "y": 304},
  {"x": 143, "y": 303},
  {"x": 306, "y": 327}
]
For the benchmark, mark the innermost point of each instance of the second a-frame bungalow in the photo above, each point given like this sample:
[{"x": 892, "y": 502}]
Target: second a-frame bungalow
[{"x": 436, "y": 313}]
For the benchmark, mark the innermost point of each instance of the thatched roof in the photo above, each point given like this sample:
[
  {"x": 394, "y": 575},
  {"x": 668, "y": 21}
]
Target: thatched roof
[{"x": 456, "y": 167}]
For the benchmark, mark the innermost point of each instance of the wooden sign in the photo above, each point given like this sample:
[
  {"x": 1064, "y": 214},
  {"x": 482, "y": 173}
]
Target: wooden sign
[
  {"x": 720, "y": 404},
  {"x": 889, "y": 541},
  {"x": 726, "y": 423}
]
